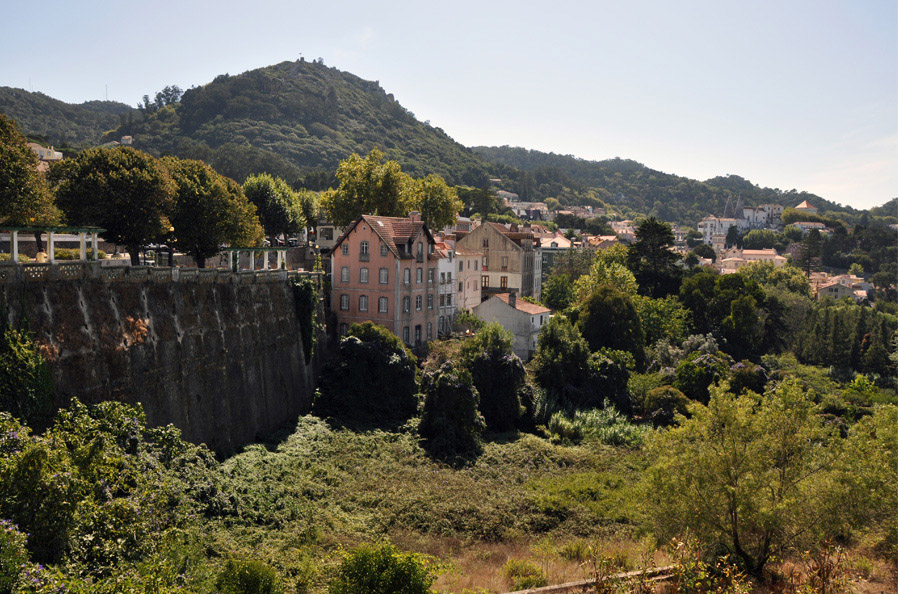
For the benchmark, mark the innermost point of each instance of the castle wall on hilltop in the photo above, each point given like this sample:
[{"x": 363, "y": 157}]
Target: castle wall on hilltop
[{"x": 215, "y": 353}]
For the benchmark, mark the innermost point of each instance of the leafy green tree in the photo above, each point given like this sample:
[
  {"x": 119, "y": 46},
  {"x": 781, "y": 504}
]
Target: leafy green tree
[
  {"x": 558, "y": 292},
  {"x": 279, "y": 207},
  {"x": 437, "y": 202},
  {"x": 733, "y": 238},
  {"x": 699, "y": 372},
  {"x": 760, "y": 239},
  {"x": 604, "y": 272},
  {"x": 745, "y": 474},
  {"x": 662, "y": 319},
  {"x": 367, "y": 186},
  {"x": 451, "y": 422},
  {"x": 562, "y": 367},
  {"x": 25, "y": 199},
  {"x": 498, "y": 375},
  {"x": 209, "y": 210},
  {"x": 663, "y": 404},
  {"x": 856, "y": 269},
  {"x": 123, "y": 190},
  {"x": 608, "y": 318},
  {"x": 705, "y": 251},
  {"x": 788, "y": 278},
  {"x": 372, "y": 380},
  {"x": 651, "y": 259}
]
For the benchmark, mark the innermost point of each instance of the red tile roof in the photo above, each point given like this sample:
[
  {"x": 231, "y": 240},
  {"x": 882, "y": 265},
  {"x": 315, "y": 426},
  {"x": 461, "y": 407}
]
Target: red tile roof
[
  {"x": 525, "y": 306},
  {"x": 394, "y": 231}
]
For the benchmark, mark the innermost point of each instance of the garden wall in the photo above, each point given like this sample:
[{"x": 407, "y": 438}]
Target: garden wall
[{"x": 217, "y": 354}]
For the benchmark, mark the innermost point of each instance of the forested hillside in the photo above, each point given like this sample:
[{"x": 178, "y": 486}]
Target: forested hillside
[
  {"x": 59, "y": 123},
  {"x": 296, "y": 118},
  {"x": 631, "y": 188}
]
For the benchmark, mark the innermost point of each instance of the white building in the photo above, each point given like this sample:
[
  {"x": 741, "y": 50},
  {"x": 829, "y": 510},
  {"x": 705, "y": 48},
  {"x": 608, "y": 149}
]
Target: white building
[
  {"x": 524, "y": 320},
  {"x": 446, "y": 297}
]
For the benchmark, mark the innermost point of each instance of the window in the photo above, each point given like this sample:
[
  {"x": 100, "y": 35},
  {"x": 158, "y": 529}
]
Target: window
[
  {"x": 363, "y": 251},
  {"x": 460, "y": 287},
  {"x": 486, "y": 262},
  {"x": 420, "y": 248},
  {"x": 405, "y": 334},
  {"x": 442, "y": 278},
  {"x": 503, "y": 282},
  {"x": 406, "y": 304},
  {"x": 475, "y": 264},
  {"x": 345, "y": 249},
  {"x": 344, "y": 274},
  {"x": 442, "y": 300},
  {"x": 419, "y": 275},
  {"x": 383, "y": 249},
  {"x": 461, "y": 265},
  {"x": 344, "y": 302},
  {"x": 430, "y": 302},
  {"x": 363, "y": 275},
  {"x": 384, "y": 276},
  {"x": 504, "y": 262},
  {"x": 486, "y": 242},
  {"x": 419, "y": 303},
  {"x": 475, "y": 285},
  {"x": 429, "y": 330},
  {"x": 430, "y": 274},
  {"x": 485, "y": 281},
  {"x": 440, "y": 324},
  {"x": 344, "y": 328},
  {"x": 448, "y": 299},
  {"x": 417, "y": 333},
  {"x": 382, "y": 305},
  {"x": 363, "y": 303},
  {"x": 407, "y": 276}
]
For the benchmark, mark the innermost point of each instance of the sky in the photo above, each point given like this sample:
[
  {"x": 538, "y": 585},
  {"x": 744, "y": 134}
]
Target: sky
[{"x": 788, "y": 94}]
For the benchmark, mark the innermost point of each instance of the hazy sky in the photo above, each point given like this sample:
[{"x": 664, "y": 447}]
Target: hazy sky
[{"x": 789, "y": 94}]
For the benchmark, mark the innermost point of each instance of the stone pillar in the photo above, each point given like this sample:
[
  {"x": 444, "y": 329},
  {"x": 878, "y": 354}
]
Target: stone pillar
[
  {"x": 51, "y": 250},
  {"x": 14, "y": 247},
  {"x": 82, "y": 240},
  {"x": 252, "y": 260},
  {"x": 265, "y": 259},
  {"x": 280, "y": 259},
  {"x": 96, "y": 242},
  {"x": 230, "y": 261}
]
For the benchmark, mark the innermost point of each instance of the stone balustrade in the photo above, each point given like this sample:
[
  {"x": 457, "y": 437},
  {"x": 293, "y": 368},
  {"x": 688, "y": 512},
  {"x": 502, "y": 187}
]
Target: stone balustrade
[{"x": 67, "y": 271}]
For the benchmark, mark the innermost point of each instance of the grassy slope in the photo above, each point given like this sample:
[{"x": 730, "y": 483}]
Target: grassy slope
[{"x": 322, "y": 488}]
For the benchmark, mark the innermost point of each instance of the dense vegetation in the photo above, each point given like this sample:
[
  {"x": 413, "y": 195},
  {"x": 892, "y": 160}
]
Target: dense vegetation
[{"x": 62, "y": 124}]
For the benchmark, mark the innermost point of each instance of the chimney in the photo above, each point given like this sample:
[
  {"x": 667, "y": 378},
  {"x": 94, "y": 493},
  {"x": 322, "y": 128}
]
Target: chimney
[
  {"x": 513, "y": 300},
  {"x": 415, "y": 216}
]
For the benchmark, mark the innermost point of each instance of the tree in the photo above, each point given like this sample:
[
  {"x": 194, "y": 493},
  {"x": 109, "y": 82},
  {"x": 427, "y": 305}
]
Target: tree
[
  {"x": 123, "y": 190},
  {"x": 651, "y": 259},
  {"x": 25, "y": 199},
  {"x": 561, "y": 364},
  {"x": 372, "y": 380},
  {"x": 367, "y": 186},
  {"x": 498, "y": 375},
  {"x": 558, "y": 292},
  {"x": 662, "y": 319},
  {"x": 808, "y": 256},
  {"x": 788, "y": 278},
  {"x": 745, "y": 474},
  {"x": 437, "y": 202},
  {"x": 451, "y": 422},
  {"x": 209, "y": 210},
  {"x": 26, "y": 381},
  {"x": 733, "y": 238},
  {"x": 604, "y": 272},
  {"x": 704, "y": 250},
  {"x": 856, "y": 269},
  {"x": 609, "y": 319},
  {"x": 759, "y": 239},
  {"x": 279, "y": 208}
]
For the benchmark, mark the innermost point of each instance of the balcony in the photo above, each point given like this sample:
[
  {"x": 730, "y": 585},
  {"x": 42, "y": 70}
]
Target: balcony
[{"x": 364, "y": 257}]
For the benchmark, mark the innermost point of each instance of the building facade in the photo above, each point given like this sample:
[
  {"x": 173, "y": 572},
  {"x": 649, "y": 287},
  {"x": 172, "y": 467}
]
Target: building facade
[
  {"x": 510, "y": 260},
  {"x": 468, "y": 279},
  {"x": 384, "y": 271},
  {"x": 446, "y": 297},
  {"x": 524, "y": 320}
]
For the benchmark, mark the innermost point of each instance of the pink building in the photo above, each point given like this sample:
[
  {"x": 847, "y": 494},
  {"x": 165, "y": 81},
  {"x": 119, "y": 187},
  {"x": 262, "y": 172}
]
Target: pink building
[{"x": 384, "y": 271}]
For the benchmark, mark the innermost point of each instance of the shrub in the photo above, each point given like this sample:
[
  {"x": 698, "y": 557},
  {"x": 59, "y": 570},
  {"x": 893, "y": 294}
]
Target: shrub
[
  {"x": 698, "y": 372},
  {"x": 606, "y": 426},
  {"x": 371, "y": 381},
  {"x": 451, "y": 423},
  {"x": 382, "y": 569},
  {"x": 26, "y": 384},
  {"x": 249, "y": 577},
  {"x": 664, "y": 403},
  {"x": 75, "y": 254},
  {"x": 745, "y": 375},
  {"x": 522, "y": 575},
  {"x": 13, "y": 556},
  {"x": 305, "y": 296}
]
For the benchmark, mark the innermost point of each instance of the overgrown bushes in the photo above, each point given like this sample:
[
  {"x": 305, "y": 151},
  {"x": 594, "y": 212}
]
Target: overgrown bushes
[
  {"x": 26, "y": 384},
  {"x": 451, "y": 422},
  {"x": 382, "y": 569}
]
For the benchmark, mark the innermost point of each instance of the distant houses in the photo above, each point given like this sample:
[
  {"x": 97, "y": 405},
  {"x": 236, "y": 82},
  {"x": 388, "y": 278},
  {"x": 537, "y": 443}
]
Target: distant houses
[{"x": 524, "y": 320}]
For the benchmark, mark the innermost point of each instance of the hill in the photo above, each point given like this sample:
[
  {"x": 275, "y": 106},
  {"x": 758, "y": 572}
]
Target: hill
[
  {"x": 296, "y": 118},
  {"x": 630, "y": 188},
  {"x": 59, "y": 123}
]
